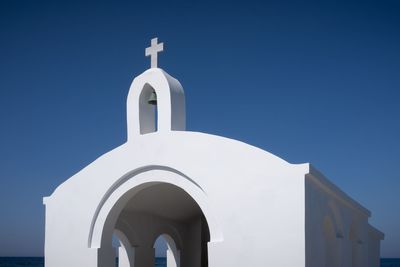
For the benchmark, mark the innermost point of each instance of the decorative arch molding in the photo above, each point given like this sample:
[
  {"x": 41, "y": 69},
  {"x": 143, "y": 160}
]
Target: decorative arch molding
[
  {"x": 133, "y": 182},
  {"x": 335, "y": 215}
]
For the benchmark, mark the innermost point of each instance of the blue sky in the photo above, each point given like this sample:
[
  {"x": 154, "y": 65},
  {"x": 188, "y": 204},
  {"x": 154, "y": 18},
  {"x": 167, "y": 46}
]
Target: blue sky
[{"x": 308, "y": 81}]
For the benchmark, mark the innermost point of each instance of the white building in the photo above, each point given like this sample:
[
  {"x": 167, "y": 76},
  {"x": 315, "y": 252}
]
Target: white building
[{"x": 218, "y": 202}]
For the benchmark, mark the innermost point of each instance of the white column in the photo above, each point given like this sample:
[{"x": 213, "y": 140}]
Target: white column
[
  {"x": 126, "y": 256},
  {"x": 144, "y": 257},
  {"x": 173, "y": 258},
  {"x": 106, "y": 256}
]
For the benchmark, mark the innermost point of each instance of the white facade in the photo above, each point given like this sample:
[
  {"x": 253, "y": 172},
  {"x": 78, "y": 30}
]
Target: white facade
[{"x": 218, "y": 202}]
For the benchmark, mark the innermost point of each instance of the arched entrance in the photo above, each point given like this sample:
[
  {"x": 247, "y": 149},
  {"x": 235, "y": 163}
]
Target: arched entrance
[{"x": 151, "y": 203}]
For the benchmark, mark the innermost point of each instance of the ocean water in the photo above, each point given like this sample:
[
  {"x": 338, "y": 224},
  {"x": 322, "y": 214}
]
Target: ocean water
[
  {"x": 21, "y": 261},
  {"x": 39, "y": 262},
  {"x": 390, "y": 262},
  {"x": 160, "y": 262}
]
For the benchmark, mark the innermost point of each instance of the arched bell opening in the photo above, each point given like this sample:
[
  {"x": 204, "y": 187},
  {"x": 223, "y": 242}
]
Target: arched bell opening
[
  {"x": 155, "y": 87},
  {"x": 148, "y": 111},
  {"x": 167, "y": 210}
]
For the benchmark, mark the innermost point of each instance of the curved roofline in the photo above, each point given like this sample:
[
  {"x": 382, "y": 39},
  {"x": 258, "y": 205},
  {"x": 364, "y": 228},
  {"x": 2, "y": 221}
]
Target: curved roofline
[
  {"x": 217, "y": 138},
  {"x": 240, "y": 143}
]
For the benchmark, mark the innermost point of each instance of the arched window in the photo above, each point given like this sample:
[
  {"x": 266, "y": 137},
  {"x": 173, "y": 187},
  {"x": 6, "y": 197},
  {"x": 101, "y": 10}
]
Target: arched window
[{"x": 166, "y": 252}]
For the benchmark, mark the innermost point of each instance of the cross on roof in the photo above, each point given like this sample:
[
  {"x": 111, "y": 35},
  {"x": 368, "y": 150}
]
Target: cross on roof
[{"x": 153, "y": 50}]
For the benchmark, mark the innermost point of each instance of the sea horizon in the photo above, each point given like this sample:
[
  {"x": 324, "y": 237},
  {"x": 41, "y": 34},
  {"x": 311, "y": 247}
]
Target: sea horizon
[
  {"x": 13, "y": 261},
  {"x": 39, "y": 262}
]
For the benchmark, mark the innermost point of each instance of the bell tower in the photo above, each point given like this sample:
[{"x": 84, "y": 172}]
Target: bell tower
[{"x": 155, "y": 94}]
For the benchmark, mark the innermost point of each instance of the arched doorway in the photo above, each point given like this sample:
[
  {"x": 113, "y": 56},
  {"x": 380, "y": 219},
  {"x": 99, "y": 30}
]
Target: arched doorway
[
  {"x": 151, "y": 203},
  {"x": 166, "y": 208}
]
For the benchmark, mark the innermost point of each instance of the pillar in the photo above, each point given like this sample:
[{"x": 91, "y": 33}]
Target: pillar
[
  {"x": 144, "y": 257},
  {"x": 126, "y": 256},
  {"x": 173, "y": 258}
]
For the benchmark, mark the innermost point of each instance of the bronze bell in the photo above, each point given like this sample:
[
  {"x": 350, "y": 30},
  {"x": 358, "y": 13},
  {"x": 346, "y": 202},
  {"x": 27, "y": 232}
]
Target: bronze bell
[{"x": 152, "y": 99}]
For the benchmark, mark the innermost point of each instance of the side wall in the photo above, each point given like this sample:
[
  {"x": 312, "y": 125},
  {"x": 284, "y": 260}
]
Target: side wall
[
  {"x": 62, "y": 232},
  {"x": 262, "y": 217},
  {"x": 374, "y": 246},
  {"x": 337, "y": 231}
]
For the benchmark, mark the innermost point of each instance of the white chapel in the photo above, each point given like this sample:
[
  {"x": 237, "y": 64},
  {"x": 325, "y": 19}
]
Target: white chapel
[{"x": 217, "y": 202}]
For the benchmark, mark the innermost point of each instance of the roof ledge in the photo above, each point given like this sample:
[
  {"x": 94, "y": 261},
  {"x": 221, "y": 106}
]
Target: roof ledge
[
  {"x": 318, "y": 178},
  {"x": 376, "y": 232}
]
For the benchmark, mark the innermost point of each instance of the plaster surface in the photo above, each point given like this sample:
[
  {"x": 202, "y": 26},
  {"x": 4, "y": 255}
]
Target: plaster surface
[{"x": 218, "y": 201}]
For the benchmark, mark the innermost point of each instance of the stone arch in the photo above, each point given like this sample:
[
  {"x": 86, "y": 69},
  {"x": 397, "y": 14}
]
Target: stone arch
[
  {"x": 129, "y": 185},
  {"x": 126, "y": 252},
  {"x": 170, "y": 104},
  {"x": 171, "y": 233},
  {"x": 128, "y": 231},
  {"x": 173, "y": 251}
]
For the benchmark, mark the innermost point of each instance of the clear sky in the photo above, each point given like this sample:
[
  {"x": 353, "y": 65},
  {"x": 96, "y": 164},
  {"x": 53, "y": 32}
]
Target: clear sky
[{"x": 321, "y": 83}]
